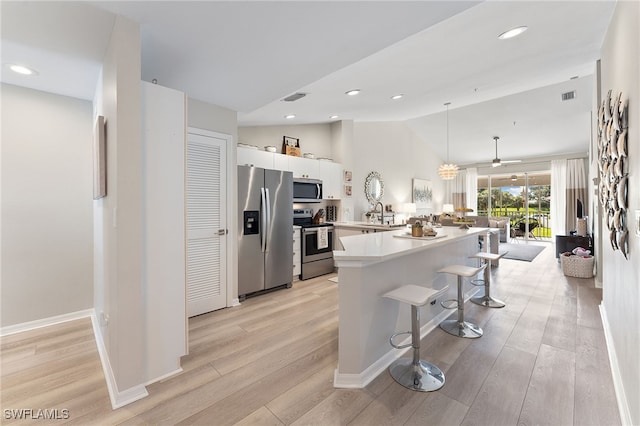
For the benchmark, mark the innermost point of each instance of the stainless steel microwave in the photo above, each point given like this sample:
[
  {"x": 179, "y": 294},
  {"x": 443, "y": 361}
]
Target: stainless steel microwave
[{"x": 307, "y": 190}]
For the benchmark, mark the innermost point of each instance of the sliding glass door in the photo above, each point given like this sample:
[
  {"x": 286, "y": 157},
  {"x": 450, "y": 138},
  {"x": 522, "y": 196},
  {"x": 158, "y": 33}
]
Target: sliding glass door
[{"x": 523, "y": 197}]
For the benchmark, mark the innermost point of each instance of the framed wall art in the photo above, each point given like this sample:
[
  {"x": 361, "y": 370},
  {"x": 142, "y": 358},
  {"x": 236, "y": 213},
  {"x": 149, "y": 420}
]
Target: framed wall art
[{"x": 422, "y": 193}]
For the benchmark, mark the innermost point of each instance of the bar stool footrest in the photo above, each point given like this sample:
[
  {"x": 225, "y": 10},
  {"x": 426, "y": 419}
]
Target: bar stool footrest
[
  {"x": 478, "y": 283},
  {"x": 399, "y": 334},
  {"x": 449, "y": 304}
]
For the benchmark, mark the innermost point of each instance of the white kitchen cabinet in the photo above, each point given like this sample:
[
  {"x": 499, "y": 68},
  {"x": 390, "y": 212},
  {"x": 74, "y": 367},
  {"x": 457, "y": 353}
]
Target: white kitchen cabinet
[
  {"x": 303, "y": 167},
  {"x": 281, "y": 162},
  {"x": 331, "y": 176},
  {"x": 255, "y": 157},
  {"x": 297, "y": 257}
]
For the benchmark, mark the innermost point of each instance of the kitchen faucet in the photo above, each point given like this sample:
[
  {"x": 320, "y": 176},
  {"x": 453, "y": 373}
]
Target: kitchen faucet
[{"x": 375, "y": 208}]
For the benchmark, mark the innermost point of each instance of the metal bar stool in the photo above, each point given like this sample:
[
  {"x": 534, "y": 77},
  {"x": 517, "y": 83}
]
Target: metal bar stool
[
  {"x": 460, "y": 327},
  {"x": 487, "y": 300},
  {"x": 415, "y": 373}
]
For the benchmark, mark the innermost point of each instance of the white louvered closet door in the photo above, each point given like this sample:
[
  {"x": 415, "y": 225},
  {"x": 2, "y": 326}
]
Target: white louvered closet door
[{"x": 206, "y": 224}]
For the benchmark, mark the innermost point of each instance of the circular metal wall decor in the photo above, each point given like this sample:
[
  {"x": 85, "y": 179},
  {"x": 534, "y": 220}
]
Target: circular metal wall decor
[
  {"x": 374, "y": 187},
  {"x": 613, "y": 169}
]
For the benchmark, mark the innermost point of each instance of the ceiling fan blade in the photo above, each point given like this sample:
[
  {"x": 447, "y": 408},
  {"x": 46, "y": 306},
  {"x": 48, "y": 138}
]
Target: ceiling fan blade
[{"x": 511, "y": 161}]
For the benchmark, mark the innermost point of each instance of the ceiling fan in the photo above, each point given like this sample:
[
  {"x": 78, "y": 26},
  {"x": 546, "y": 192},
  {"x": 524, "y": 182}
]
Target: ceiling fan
[{"x": 496, "y": 161}]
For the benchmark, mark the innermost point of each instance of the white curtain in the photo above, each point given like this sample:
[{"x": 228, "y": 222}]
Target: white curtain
[
  {"x": 576, "y": 190},
  {"x": 558, "y": 197},
  {"x": 472, "y": 189},
  {"x": 459, "y": 189}
]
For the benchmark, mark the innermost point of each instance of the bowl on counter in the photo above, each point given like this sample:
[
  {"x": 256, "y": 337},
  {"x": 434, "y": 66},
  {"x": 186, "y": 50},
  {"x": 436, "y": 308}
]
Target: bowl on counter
[
  {"x": 309, "y": 155},
  {"x": 270, "y": 148}
]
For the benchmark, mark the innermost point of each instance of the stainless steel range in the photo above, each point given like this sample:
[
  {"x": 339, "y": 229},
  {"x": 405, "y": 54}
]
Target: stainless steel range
[{"x": 317, "y": 244}]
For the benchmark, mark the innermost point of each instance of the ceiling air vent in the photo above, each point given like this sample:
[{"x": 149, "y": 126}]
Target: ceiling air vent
[
  {"x": 295, "y": 97},
  {"x": 569, "y": 95}
]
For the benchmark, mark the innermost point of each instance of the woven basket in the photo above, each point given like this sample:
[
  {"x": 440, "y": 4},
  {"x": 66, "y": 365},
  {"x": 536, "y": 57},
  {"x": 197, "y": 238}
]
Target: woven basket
[{"x": 577, "y": 266}]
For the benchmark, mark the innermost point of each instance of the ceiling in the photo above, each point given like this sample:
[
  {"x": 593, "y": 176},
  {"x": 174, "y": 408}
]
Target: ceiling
[{"x": 248, "y": 56}]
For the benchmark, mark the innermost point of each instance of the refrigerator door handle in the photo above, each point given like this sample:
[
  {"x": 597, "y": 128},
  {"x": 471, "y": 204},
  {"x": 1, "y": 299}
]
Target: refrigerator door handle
[
  {"x": 268, "y": 223},
  {"x": 263, "y": 225}
]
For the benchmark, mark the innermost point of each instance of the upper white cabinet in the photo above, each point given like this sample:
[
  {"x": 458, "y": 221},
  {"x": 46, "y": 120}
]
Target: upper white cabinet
[
  {"x": 329, "y": 172},
  {"x": 255, "y": 157},
  {"x": 331, "y": 176},
  {"x": 303, "y": 167}
]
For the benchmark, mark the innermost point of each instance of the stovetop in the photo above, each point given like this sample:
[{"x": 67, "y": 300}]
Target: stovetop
[
  {"x": 304, "y": 218},
  {"x": 313, "y": 225}
]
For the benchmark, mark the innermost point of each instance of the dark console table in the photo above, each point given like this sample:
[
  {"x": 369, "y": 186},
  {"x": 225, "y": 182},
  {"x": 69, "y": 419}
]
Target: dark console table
[{"x": 569, "y": 242}]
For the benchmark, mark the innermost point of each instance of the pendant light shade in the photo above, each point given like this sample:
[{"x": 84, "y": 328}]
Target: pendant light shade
[{"x": 448, "y": 171}]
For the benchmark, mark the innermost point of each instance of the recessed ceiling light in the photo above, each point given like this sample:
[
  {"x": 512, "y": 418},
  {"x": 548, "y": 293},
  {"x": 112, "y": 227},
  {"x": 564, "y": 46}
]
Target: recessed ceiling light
[
  {"x": 512, "y": 32},
  {"x": 352, "y": 92},
  {"x": 290, "y": 116},
  {"x": 333, "y": 117},
  {"x": 396, "y": 97},
  {"x": 21, "y": 69}
]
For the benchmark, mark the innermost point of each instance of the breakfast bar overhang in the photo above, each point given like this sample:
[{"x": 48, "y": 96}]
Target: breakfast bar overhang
[{"x": 373, "y": 264}]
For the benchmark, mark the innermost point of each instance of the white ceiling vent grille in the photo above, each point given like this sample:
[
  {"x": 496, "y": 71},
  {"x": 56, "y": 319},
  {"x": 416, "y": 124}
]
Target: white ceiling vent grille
[
  {"x": 295, "y": 97},
  {"x": 569, "y": 95}
]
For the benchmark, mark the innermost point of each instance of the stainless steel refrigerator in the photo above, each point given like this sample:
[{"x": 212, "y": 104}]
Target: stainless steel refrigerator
[{"x": 265, "y": 249}]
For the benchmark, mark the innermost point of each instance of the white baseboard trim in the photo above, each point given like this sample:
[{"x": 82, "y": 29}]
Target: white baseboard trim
[
  {"x": 357, "y": 381},
  {"x": 44, "y": 322},
  {"x": 235, "y": 302},
  {"x": 623, "y": 407},
  {"x": 118, "y": 398},
  {"x": 164, "y": 376}
]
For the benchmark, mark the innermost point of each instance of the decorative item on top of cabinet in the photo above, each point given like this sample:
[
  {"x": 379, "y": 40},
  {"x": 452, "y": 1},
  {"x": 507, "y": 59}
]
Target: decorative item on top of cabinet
[
  {"x": 291, "y": 146},
  {"x": 613, "y": 167}
]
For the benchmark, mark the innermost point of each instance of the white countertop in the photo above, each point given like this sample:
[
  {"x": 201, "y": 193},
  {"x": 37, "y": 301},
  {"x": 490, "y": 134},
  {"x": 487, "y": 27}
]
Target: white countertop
[
  {"x": 367, "y": 225},
  {"x": 382, "y": 246}
]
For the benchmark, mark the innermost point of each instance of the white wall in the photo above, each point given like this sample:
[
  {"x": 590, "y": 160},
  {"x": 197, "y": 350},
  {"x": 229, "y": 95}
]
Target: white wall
[
  {"x": 314, "y": 138},
  {"x": 393, "y": 150},
  {"x": 620, "y": 66},
  {"x": 390, "y": 148},
  {"x": 47, "y": 191}
]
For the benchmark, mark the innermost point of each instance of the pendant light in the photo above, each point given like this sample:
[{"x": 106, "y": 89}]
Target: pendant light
[{"x": 448, "y": 171}]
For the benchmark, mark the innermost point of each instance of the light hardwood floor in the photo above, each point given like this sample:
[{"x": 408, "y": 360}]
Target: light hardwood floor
[{"x": 270, "y": 361}]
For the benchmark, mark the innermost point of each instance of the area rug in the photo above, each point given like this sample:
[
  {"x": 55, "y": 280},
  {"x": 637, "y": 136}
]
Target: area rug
[{"x": 526, "y": 252}]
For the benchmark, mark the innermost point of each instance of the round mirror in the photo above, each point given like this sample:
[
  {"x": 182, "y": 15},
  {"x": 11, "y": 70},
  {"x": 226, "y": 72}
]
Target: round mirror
[{"x": 374, "y": 187}]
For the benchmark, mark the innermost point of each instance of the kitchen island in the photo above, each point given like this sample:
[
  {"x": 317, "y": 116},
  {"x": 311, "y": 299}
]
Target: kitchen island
[{"x": 375, "y": 263}]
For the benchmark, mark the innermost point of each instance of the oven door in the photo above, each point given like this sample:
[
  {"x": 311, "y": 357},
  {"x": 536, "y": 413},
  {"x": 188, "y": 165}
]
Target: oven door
[{"x": 310, "y": 250}]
